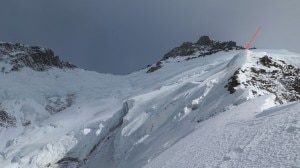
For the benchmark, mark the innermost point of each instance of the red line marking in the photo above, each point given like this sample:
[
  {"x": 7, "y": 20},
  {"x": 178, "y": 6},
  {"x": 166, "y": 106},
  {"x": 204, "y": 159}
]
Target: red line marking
[{"x": 248, "y": 45}]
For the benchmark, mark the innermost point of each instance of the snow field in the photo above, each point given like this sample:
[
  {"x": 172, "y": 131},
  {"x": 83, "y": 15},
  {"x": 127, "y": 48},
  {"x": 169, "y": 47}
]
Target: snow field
[{"x": 178, "y": 116}]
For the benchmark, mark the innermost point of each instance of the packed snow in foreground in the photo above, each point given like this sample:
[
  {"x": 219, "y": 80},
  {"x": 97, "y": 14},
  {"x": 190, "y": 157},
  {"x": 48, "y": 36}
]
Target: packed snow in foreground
[{"x": 186, "y": 114}]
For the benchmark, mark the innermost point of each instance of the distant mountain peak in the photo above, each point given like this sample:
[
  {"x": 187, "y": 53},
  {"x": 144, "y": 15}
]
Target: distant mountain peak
[
  {"x": 15, "y": 56},
  {"x": 203, "y": 47}
]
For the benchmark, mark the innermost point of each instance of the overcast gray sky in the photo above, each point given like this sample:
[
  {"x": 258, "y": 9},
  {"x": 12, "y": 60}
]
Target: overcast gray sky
[{"x": 118, "y": 36}]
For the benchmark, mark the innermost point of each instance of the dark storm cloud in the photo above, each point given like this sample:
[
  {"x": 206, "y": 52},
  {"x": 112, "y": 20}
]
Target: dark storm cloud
[{"x": 121, "y": 36}]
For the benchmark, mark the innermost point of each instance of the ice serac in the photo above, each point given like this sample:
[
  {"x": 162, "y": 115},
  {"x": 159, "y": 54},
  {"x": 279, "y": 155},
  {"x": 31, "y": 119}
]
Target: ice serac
[
  {"x": 47, "y": 106},
  {"x": 225, "y": 109}
]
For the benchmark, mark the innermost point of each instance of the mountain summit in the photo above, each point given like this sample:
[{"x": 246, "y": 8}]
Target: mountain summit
[
  {"x": 228, "y": 107},
  {"x": 203, "y": 47}
]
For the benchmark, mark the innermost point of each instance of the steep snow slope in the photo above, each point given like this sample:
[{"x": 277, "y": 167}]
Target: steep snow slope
[
  {"x": 245, "y": 136},
  {"x": 76, "y": 118},
  {"x": 160, "y": 118}
]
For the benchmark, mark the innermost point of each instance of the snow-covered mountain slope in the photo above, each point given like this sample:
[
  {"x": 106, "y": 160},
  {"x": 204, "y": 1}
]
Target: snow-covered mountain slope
[
  {"x": 245, "y": 136},
  {"x": 222, "y": 110}
]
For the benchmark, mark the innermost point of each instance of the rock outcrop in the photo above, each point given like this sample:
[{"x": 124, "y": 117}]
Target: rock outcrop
[
  {"x": 17, "y": 56},
  {"x": 203, "y": 47},
  {"x": 7, "y": 120},
  {"x": 268, "y": 76}
]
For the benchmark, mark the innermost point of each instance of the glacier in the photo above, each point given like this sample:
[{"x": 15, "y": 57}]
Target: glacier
[{"x": 181, "y": 115}]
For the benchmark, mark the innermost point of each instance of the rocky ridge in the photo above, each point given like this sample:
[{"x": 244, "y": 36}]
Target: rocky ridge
[
  {"x": 203, "y": 47},
  {"x": 14, "y": 57}
]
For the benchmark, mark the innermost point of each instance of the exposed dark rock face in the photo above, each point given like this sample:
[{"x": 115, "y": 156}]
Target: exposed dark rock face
[
  {"x": 7, "y": 120},
  {"x": 266, "y": 61},
  {"x": 203, "y": 47},
  {"x": 269, "y": 76},
  {"x": 204, "y": 40},
  {"x": 154, "y": 68},
  {"x": 185, "y": 49},
  {"x": 34, "y": 57},
  {"x": 233, "y": 82}
]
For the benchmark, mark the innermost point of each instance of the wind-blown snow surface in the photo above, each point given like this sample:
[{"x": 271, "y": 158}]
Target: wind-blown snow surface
[
  {"x": 180, "y": 115},
  {"x": 245, "y": 136}
]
